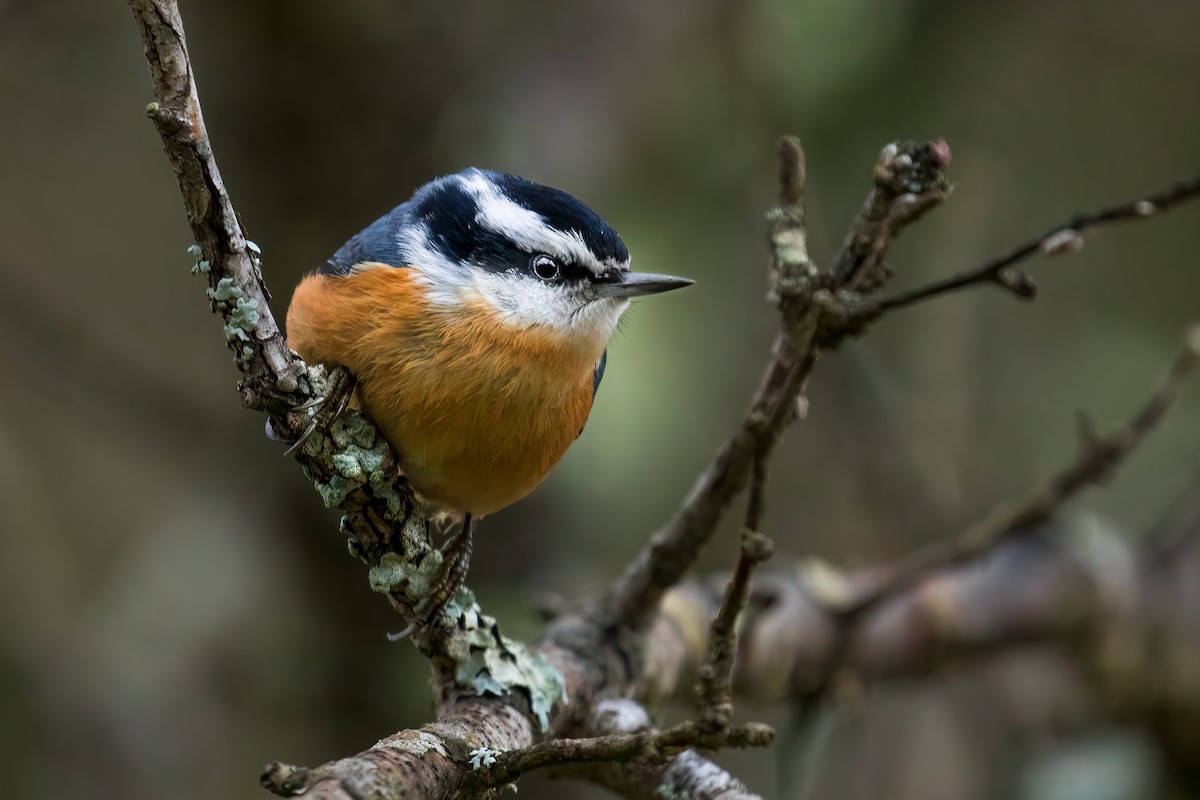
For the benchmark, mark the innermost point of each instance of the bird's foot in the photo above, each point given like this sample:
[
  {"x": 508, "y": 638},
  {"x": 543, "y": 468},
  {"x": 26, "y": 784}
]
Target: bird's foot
[
  {"x": 456, "y": 559},
  {"x": 339, "y": 388}
]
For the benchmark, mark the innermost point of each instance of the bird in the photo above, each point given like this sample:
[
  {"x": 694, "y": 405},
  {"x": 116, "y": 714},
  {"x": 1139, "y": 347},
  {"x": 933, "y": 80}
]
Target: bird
[{"x": 472, "y": 324}]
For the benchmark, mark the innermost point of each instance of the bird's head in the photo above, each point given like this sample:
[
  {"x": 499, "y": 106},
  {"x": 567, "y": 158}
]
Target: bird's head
[{"x": 535, "y": 255}]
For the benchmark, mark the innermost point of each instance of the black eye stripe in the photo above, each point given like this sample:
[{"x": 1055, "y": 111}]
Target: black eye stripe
[{"x": 547, "y": 268}]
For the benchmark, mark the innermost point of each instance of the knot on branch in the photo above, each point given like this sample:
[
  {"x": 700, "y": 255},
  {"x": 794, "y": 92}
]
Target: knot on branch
[
  {"x": 791, "y": 275},
  {"x": 756, "y": 547},
  {"x": 285, "y": 780},
  {"x": 909, "y": 180},
  {"x": 912, "y": 167}
]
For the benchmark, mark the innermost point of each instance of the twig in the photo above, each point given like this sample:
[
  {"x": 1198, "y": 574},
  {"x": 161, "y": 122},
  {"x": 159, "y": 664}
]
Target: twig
[
  {"x": 274, "y": 378},
  {"x": 658, "y": 744},
  {"x": 1097, "y": 458},
  {"x": 1071, "y": 583},
  {"x": 711, "y": 729},
  {"x": 714, "y": 690},
  {"x": 909, "y": 179},
  {"x": 1064, "y": 238}
]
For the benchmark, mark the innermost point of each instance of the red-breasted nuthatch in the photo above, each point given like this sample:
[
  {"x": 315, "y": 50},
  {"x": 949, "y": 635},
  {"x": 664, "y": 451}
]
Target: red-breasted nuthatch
[{"x": 475, "y": 320}]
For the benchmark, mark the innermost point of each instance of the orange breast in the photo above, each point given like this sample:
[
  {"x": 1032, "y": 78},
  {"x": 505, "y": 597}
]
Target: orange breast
[{"x": 478, "y": 410}]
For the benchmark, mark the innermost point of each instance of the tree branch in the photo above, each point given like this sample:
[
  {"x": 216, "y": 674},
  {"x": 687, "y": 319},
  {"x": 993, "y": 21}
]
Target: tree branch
[
  {"x": 351, "y": 465},
  {"x": 1064, "y": 238},
  {"x": 904, "y": 617},
  {"x": 274, "y": 377},
  {"x": 714, "y": 689},
  {"x": 909, "y": 180},
  {"x": 1098, "y": 457}
]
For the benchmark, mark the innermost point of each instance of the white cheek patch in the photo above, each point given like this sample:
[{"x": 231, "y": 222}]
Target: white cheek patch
[
  {"x": 528, "y": 303},
  {"x": 528, "y": 230},
  {"x": 518, "y": 301}
]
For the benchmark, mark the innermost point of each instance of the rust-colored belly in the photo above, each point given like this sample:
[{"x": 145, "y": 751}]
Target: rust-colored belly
[{"x": 478, "y": 411}]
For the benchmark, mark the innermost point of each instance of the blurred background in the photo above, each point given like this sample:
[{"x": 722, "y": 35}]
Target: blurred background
[{"x": 176, "y": 606}]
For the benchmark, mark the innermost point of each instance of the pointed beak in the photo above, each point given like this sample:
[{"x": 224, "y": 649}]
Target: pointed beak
[{"x": 636, "y": 284}]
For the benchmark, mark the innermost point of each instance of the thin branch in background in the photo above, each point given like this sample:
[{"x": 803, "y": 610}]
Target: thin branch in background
[
  {"x": 909, "y": 179},
  {"x": 715, "y": 679},
  {"x": 1064, "y": 238},
  {"x": 1098, "y": 457},
  {"x": 712, "y": 727}
]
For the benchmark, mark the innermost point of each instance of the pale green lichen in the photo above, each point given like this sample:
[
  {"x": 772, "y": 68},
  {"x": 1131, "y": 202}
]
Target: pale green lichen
[
  {"x": 335, "y": 492},
  {"x": 488, "y": 662},
  {"x": 356, "y": 457},
  {"x": 224, "y": 291},
  {"x": 667, "y": 792},
  {"x": 201, "y": 267},
  {"x": 243, "y": 320},
  {"x": 417, "y": 581},
  {"x": 351, "y": 430},
  {"x": 388, "y": 575},
  {"x": 394, "y": 574},
  {"x": 384, "y": 488}
]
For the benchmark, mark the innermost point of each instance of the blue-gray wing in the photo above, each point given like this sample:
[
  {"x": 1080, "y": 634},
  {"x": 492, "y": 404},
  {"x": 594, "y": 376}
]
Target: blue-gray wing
[
  {"x": 598, "y": 373},
  {"x": 597, "y": 376},
  {"x": 376, "y": 242}
]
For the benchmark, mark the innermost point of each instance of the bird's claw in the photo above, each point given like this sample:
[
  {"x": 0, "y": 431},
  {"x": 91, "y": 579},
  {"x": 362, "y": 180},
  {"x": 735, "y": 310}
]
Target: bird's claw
[
  {"x": 338, "y": 390},
  {"x": 457, "y": 559}
]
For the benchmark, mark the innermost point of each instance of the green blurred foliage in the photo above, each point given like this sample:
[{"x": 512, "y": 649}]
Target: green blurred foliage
[{"x": 175, "y": 605}]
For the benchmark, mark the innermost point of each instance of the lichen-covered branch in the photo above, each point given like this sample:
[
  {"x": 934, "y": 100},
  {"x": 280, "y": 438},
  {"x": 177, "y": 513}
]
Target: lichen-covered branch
[
  {"x": 274, "y": 378},
  {"x": 351, "y": 465},
  {"x": 645, "y": 743}
]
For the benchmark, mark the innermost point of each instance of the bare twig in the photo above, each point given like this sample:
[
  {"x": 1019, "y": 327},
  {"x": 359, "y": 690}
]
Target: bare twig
[
  {"x": 1072, "y": 582},
  {"x": 715, "y": 685},
  {"x": 909, "y": 179},
  {"x": 1097, "y": 458},
  {"x": 653, "y": 744},
  {"x": 1064, "y": 238},
  {"x": 274, "y": 378},
  {"x": 710, "y": 729}
]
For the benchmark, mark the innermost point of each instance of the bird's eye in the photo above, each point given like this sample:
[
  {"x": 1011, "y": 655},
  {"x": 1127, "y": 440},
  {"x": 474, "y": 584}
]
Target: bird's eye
[{"x": 545, "y": 267}]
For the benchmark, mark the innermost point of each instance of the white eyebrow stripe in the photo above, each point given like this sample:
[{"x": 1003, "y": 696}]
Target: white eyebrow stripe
[{"x": 527, "y": 229}]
